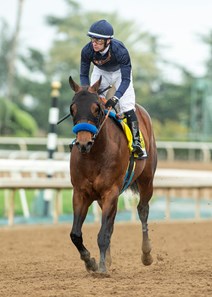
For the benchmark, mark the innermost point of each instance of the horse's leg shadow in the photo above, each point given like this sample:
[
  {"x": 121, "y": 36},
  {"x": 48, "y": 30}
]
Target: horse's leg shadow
[{"x": 143, "y": 212}]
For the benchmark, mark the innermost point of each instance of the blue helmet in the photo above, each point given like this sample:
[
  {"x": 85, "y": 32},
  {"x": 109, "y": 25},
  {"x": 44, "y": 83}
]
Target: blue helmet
[{"x": 101, "y": 29}]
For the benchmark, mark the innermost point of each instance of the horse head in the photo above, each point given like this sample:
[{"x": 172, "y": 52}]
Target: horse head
[{"x": 87, "y": 114}]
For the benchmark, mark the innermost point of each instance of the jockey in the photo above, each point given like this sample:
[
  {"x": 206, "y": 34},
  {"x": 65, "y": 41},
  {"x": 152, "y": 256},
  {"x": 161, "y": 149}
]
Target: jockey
[{"x": 111, "y": 61}]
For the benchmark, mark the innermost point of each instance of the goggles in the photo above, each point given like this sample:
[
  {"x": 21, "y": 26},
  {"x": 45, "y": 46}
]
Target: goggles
[{"x": 97, "y": 40}]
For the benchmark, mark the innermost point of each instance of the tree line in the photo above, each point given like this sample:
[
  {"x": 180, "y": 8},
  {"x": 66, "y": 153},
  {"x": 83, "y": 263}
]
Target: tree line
[{"x": 25, "y": 86}]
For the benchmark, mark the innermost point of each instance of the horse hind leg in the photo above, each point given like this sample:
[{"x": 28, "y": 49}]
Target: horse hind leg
[{"x": 143, "y": 212}]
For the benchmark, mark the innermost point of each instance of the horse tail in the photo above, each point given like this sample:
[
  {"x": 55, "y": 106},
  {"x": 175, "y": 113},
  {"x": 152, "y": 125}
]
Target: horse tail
[{"x": 134, "y": 188}]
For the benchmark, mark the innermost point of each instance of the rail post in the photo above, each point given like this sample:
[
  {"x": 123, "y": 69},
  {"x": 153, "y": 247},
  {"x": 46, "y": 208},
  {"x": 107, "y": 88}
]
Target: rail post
[{"x": 52, "y": 140}]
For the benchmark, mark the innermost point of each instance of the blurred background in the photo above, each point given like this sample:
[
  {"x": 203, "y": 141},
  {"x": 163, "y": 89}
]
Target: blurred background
[
  {"x": 171, "y": 51},
  {"x": 170, "y": 45}
]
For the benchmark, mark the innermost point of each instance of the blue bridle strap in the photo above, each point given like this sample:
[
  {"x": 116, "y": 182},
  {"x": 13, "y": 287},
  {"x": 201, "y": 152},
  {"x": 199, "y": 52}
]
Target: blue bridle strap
[{"x": 85, "y": 127}]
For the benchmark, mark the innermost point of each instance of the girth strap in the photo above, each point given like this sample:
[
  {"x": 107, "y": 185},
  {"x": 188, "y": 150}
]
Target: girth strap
[{"x": 129, "y": 174}]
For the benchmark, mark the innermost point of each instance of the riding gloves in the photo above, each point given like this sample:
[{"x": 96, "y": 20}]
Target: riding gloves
[{"x": 111, "y": 102}]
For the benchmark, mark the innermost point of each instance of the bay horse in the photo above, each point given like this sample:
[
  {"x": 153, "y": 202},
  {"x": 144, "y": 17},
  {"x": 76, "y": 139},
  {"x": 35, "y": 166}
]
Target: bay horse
[{"x": 98, "y": 164}]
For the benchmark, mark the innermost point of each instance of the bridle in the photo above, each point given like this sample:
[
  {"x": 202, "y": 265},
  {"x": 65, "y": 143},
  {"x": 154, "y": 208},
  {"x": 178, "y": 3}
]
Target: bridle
[
  {"x": 69, "y": 114},
  {"x": 98, "y": 121},
  {"x": 81, "y": 124},
  {"x": 102, "y": 124}
]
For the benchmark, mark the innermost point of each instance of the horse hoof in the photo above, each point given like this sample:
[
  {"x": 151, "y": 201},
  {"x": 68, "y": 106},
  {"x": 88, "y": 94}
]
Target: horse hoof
[
  {"x": 91, "y": 265},
  {"x": 100, "y": 275},
  {"x": 103, "y": 273},
  {"x": 147, "y": 259},
  {"x": 102, "y": 268}
]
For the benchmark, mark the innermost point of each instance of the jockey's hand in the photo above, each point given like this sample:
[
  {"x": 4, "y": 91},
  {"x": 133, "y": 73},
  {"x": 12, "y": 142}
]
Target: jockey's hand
[{"x": 111, "y": 102}]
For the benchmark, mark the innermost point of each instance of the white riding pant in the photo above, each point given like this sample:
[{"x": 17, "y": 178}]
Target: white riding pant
[{"x": 127, "y": 101}]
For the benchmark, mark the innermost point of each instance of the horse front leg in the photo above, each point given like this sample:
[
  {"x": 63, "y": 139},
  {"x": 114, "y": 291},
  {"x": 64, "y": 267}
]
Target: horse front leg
[
  {"x": 108, "y": 258},
  {"x": 143, "y": 212},
  {"x": 109, "y": 209},
  {"x": 80, "y": 207}
]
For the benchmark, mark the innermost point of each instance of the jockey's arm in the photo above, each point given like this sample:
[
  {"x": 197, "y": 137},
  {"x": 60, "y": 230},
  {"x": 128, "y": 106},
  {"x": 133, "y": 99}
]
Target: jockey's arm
[
  {"x": 84, "y": 69},
  {"x": 125, "y": 67}
]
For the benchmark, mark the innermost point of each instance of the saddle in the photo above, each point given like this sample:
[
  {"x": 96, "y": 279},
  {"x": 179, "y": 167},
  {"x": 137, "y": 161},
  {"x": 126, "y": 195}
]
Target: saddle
[{"x": 122, "y": 123}]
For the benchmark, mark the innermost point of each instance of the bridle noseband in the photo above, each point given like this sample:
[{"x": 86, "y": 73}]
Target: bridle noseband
[{"x": 84, "y": 120}]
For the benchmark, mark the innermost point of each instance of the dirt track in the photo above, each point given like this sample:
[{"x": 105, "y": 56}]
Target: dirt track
[{"x": 41, "y": 261}]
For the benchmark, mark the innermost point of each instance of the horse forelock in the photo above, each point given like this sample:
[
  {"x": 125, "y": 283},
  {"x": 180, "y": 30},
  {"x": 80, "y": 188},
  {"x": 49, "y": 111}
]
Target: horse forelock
[
  {"x": 84, "y": 96},
  {"x": 83, "y": 101}
]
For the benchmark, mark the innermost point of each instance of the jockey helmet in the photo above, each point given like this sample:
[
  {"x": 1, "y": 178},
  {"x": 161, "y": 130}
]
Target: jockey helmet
[{"x": 101, "y": 29}]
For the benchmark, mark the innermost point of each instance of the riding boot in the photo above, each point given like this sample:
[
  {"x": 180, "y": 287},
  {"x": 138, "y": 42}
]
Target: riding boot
[
  {"x": 134, "y": 127},
  {"x": 137, "y": 148}
]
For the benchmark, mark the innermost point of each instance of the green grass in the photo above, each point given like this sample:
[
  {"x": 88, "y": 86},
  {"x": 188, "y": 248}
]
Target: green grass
[
  {"x": 34, "y": 202},
  {"x": 67, "y": 201},
  {"x": 32, "y": 198}
]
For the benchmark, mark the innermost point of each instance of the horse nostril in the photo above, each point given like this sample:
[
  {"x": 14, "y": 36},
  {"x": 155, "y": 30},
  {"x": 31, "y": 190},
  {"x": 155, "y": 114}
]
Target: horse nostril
[
  {"x": 84, "y": 147},
  {"x": 90, "y": 143},
  {"x": 89, "y": 146}
]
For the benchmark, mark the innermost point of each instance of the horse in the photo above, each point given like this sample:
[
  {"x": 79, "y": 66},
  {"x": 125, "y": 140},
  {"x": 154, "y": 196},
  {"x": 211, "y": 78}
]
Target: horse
[{"x": 98, "y": 164}]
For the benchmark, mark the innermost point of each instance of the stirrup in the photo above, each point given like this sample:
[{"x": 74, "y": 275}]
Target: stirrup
[
  {"x": 137, "y": 149},
  {"x": 144, "y": 154}
]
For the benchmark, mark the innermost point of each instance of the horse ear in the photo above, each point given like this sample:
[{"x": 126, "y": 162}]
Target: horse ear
[
  {"x": 95, "y": 87},
  {"x": 75, "y": 87}
]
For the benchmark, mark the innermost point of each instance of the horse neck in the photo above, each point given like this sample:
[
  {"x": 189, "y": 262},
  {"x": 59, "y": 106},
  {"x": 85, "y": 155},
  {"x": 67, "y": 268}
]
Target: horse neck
[
  {"x": 109, "y": 134},
  {"x": 102, "y": 137}
]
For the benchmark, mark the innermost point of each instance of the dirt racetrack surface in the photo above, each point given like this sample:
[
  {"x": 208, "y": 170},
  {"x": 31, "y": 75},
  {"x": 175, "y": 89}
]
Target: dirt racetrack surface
[{"x": 41, "y": 261}]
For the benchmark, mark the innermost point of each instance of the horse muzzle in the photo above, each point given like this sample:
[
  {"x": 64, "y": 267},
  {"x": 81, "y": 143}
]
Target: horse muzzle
[
  {"x": 84, "y": 147},
  {"x": 85, "y": 136}
]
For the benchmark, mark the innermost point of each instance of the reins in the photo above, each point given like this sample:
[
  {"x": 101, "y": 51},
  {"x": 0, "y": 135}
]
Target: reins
[
  {"x": 106, "y": 116},
  {"x": 103, "y": 122}
]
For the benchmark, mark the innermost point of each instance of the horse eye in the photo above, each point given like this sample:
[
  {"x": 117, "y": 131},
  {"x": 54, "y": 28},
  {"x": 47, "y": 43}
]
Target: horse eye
[{"x": 95, "y": 110}]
